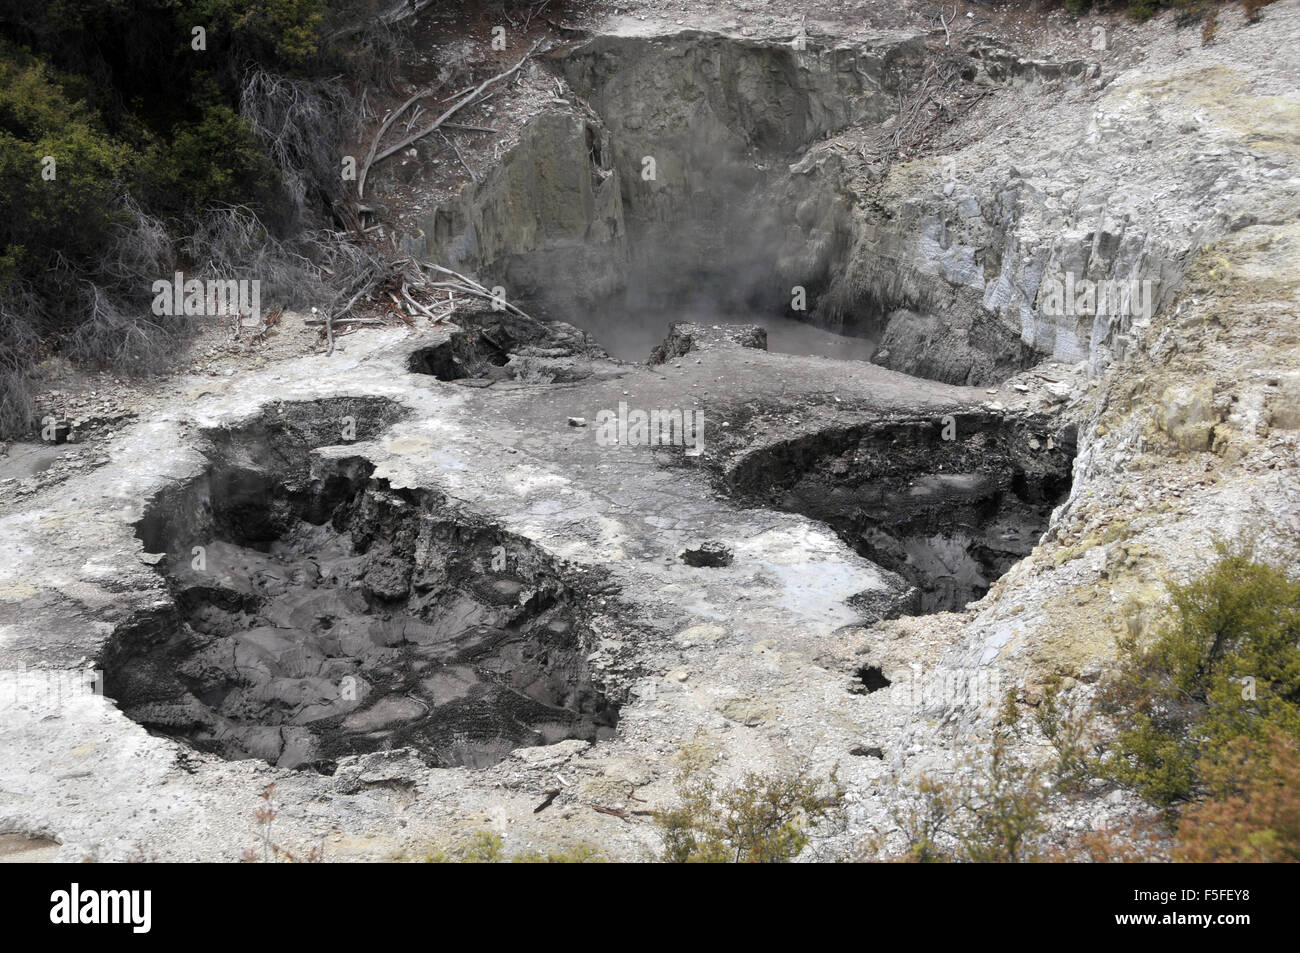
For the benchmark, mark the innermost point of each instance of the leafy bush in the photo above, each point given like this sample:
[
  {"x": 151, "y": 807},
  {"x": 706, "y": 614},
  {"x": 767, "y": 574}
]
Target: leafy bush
[
  {"x": 996, "y": 811},
  {"x": 992, "y": 814},
  {"x": 208, "y": 161},
  {"x": 143, "y": 130},
  {"x": 1207, "y": 729},
  {"x": 1260, "y": 821},
  {"x": 70, "y": 216},
  {"x": 1187, "y": 10},
  {"x": 487, "y": 847},
  {"x": 1225, "y": 667},
  {"x": 761, "y": 819},
  {"x": 1067, "y": 730}
]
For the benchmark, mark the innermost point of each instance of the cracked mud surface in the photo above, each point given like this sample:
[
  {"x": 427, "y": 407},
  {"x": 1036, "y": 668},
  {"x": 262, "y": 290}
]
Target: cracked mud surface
[
  {"x": 949, "y": 504},
  {"x": 330, "y": 616}
]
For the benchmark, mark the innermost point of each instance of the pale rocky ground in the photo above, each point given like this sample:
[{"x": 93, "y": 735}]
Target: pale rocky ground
[{"x": 1187, "y": 432}]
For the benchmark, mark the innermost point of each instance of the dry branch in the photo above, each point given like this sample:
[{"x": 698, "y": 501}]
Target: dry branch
[
  {"x": 947, "y": 36},
  {"x": 551, "y": 794},
  {"x": 328, "y": 323},
  {"x": 464, "y": 101},
  {"x": 383, "y": 128},
  {"x": 472, "y": 177},
  {"x": 402, "y": 10}
]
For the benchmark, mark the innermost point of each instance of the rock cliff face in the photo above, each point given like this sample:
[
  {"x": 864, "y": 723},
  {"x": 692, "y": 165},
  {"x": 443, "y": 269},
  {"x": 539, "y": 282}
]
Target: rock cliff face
[
  {"x": 974, "y": 262},
  {"x": 672, "y": 190},
  {"x": 548, "y": 221},
  {"x": 713, "y": 173},
  {"x": 1136, "y": 224}
]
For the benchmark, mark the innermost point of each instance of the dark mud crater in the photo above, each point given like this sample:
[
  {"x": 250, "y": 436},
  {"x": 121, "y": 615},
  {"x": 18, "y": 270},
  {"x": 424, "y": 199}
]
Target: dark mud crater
[
  {"x": 320, "y": 613},
  {"x": 488, "y": 346},
  {"x": 949, "y": 503}
]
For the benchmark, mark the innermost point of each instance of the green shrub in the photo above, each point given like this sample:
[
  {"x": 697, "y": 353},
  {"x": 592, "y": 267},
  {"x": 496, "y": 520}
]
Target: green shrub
[
  {"x": 760, "y": 820},
  {"x": 993, "y": 812},
  {"x": 72, "y": 214},
  {"x": 143, "y": 128},
  {"x": 487, "y": 847},
  {"x": 210, "y": 161},
  {"x": 1067, "y": 731},
  {"x": 1259, "y": 822},
  {"x": 1225, "y": 666}
]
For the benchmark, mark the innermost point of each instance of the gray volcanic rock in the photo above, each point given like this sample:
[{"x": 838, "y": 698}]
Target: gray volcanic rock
[{"x": 684, "y": 337}]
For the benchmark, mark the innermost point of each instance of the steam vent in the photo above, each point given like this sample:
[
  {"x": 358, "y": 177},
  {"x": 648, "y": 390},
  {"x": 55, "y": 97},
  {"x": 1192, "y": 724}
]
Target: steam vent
[{"x": 623, "y": 431}]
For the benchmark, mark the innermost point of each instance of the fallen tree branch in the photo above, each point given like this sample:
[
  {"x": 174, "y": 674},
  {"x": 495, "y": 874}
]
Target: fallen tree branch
[
  {"x": 533, "y": 11},
  {"x": 472, "y": 177},
  {"x": 472, "y": 287},
  {"x": 451, "y": 111},
  {"x": 486, "y": 295},
  {"x": 402, "y": 10},
  {"x": 383, "y": 128},
  {"x": 328, "y": 324},
  {"x": 417, "y": 306},
  {"x": 947, "y": 41}
]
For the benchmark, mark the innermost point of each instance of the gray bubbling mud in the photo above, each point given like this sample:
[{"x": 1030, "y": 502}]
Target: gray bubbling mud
[
  {"x": 630, "y": 337},
  {"x": 948, "y": 512},
  {"x": 331, "y": 615},
  {"x": 950, "y": 516}
]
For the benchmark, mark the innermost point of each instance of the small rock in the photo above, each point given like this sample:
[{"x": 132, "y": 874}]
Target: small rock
[
  {"x": 551, "y": 755},
  {"x": 865, "y": 751},
  {"x": 395, "y": 766},
  {"x": 749, "y": 712},
  {"x": 708, "y": 555}
]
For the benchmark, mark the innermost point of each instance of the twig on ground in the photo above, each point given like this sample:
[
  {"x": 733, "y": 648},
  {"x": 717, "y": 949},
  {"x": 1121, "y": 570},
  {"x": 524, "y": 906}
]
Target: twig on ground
[
  {"x": 947, "y": 41},
  {"x": 472, "y": 177}
]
